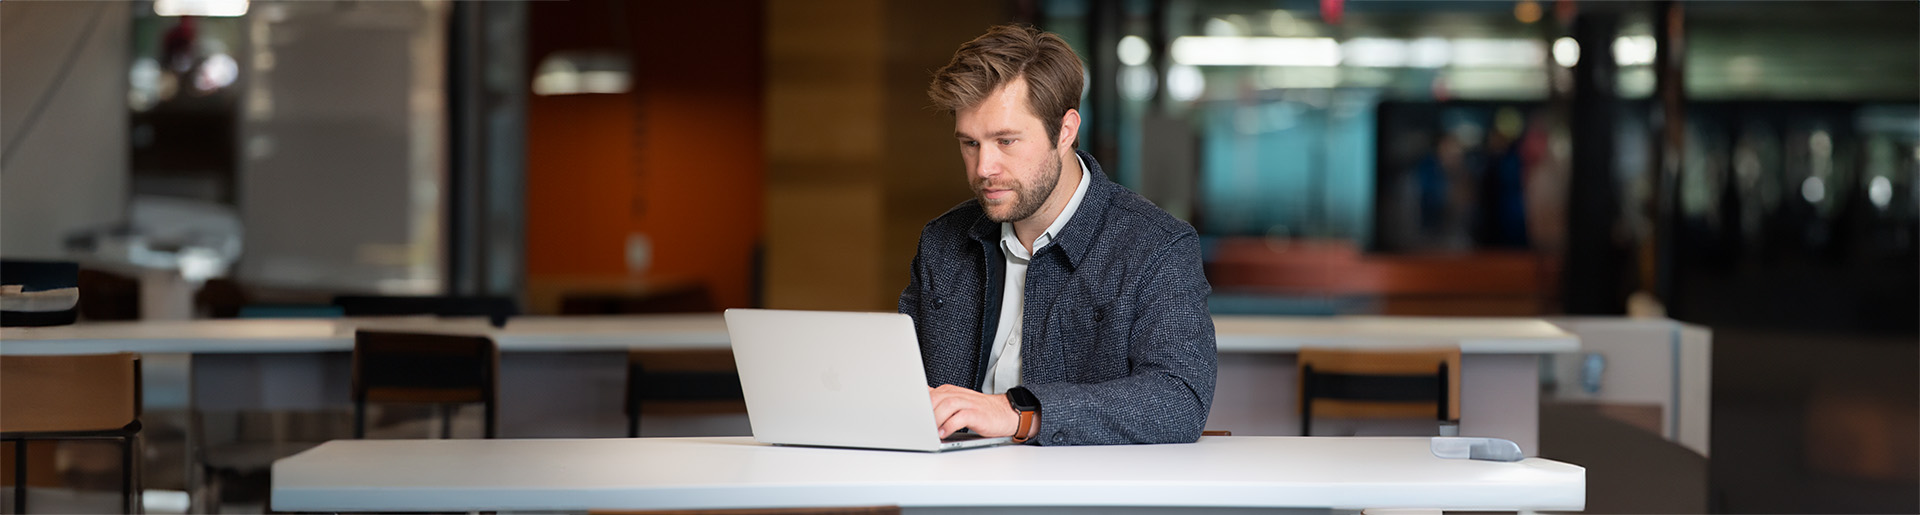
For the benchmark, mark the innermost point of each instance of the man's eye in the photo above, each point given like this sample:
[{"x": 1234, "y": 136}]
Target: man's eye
[
  {"x": 969, "y": 144},
  {"x": 1006, "y": 142}
]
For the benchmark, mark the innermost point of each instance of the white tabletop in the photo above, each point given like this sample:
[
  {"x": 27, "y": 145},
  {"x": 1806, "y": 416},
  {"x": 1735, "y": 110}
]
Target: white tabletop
[
  {"x": 712, "y": 473},
  {"x": 207, "y": 336},
  {"x": 553, "y": 334},
  {"x": 1236, "y": 333},
  {"x": 1255, "y": 333}
]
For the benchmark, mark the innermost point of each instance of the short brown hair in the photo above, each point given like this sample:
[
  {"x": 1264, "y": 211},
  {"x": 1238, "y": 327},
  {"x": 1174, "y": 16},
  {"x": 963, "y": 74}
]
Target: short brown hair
[{"x": 1052, "y": 71}]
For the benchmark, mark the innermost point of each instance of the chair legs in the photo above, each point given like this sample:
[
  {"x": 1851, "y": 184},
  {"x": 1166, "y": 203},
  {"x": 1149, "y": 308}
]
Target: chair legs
[
  {"x": 1306, "y": 400},
  {"x": 210, "y": 489},
  {"x": 1442, "y": 394},
  {"x": 19, "y": 476},
  {"x": 490, "y": 419},
  {"x": 126, "y": 475},
  {"x": 129, "y": 468},
  {"x": 445, "y": 412},
  {"x": 130, "y": 496}
]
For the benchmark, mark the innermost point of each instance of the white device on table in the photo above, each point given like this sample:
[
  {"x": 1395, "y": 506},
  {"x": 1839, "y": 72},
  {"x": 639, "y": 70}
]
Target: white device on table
[{"x": 837, "y": 379}]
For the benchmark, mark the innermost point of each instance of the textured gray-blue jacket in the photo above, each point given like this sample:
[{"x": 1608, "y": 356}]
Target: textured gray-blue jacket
[{"x": 1116, "y": 341}]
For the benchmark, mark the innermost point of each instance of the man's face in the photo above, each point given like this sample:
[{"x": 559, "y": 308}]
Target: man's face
[{"x": 1011, "y": 164}]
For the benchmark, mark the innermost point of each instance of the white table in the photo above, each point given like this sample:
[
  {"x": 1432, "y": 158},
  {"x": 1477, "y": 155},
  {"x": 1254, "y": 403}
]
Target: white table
[
  {"x": 1316, "y": 474},
  {"x": 1236, "y": 333},
  {"x": 1252, "y": 333},
  {"x": 305, "y": 335},
  {"x": 1254, "y": 394},
  {"x": 1651, "y": 362}
]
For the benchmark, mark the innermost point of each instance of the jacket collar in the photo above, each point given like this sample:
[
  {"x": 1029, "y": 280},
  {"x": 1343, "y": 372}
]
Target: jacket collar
[{"x": 1076, "y": 238}]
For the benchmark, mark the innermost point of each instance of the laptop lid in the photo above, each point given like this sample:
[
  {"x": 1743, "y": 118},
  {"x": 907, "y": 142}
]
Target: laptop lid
[{"x": 836, "y": 379}]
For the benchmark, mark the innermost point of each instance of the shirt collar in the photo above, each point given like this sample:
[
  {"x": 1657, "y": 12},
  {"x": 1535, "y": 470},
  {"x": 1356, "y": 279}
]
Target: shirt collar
[{"x": 1010, "y": 243}]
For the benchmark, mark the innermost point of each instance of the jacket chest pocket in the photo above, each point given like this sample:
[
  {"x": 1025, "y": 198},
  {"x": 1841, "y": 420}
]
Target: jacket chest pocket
[{"x": 1089, "y": 342}]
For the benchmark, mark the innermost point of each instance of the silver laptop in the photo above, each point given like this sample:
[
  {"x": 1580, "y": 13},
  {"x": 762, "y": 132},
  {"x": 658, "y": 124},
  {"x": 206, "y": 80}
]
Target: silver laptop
[{"x": 837, "y": 379}]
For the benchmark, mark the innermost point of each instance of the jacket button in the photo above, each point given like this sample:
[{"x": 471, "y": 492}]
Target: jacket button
[
  {"x": 939, "y": 303},
  {"x": 1057, "y": 438}
]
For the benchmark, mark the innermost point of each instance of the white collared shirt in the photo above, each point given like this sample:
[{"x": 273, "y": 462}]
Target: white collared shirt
[{"x": 1003, "y": 364}]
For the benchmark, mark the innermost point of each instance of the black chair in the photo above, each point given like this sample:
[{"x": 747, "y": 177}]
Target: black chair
[
  {"x": 72, "y": 397},
  {"x": 109, "y": 295},
  {"x": 257, "y": 439},
  {"x": 1404, "y": 383},
  {"x": 496, "y": 309},
  {"x": 44, "y": 278},
  {"x": 417, "y": 368},
  {"x": 683, "y": 382}
]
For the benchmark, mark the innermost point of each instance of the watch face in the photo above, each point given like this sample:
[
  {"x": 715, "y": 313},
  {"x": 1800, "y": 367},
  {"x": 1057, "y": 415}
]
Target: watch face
[{"x": 1022, "y": 400}]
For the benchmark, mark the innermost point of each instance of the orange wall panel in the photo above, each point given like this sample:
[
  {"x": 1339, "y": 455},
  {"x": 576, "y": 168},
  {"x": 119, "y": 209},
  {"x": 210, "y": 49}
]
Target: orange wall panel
[
  {"x": 679, "y": 159},
  {"x": 580, "y": 161}
]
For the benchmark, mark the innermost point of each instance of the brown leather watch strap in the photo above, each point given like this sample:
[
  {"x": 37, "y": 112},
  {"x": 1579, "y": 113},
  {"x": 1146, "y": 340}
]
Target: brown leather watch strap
[{"x": 1029, "y": 424}]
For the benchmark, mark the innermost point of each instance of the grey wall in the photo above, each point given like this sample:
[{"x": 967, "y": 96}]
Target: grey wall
[{"x": 64, "y": 169}]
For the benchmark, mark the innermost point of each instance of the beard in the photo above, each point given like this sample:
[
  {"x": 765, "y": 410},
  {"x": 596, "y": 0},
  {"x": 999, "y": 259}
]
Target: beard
[{"x": 1027, "y": 197}]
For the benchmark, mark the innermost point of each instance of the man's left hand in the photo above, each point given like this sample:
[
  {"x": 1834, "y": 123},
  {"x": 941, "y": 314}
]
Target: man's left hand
[{"x": 988, "y": 415}]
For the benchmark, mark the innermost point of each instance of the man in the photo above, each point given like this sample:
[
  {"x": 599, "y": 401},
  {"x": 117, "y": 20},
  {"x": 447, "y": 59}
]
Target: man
[{"x": 1057, "y": 307}]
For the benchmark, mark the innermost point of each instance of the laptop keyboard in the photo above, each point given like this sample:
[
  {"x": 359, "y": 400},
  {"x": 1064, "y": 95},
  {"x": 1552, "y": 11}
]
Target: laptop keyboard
[{"x": 961, "y": 437}]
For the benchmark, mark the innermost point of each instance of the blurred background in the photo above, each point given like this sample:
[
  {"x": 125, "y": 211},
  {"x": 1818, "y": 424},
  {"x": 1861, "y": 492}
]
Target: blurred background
[{"x": 1752, "y": 167}]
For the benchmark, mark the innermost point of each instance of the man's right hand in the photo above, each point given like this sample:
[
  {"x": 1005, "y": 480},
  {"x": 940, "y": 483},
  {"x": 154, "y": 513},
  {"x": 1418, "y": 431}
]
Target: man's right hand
[{"x": 955, "y": 408}]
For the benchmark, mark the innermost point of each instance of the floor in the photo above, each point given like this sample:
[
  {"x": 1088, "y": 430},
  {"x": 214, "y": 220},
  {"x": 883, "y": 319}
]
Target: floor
[{"x": 1815, "y": 423}]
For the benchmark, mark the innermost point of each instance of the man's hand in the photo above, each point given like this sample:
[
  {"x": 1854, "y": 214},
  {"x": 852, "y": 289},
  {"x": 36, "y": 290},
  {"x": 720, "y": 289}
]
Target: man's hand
[{"x": 988, "y": 415}]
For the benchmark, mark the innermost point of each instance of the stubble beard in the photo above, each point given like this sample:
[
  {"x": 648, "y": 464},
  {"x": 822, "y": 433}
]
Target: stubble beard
[{"x": 1029, "y": 197}]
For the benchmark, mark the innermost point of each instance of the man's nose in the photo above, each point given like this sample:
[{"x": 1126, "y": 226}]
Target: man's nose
[{"x": 987, "y": 164}]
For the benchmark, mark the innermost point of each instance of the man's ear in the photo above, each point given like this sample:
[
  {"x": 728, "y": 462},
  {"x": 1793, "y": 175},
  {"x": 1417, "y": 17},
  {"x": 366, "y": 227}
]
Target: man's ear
[{"x": 1069, "y": 129}]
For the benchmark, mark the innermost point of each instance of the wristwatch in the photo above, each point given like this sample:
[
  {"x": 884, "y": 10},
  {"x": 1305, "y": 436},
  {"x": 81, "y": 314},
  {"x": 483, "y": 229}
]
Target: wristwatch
[{"x": 1028, "y": 407}]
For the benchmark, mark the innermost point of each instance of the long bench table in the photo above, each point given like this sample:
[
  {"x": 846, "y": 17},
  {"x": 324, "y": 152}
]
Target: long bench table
[
  {"x": 569, "y": 369},
  {"x": 1305, "y": 474}
]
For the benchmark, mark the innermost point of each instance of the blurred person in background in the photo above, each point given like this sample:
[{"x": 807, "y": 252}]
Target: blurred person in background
[{"x": 1446, "y": 195}]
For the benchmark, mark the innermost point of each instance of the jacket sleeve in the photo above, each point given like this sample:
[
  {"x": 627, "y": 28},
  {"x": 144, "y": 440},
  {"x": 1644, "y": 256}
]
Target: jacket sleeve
[{"x": 1166, "y": 395}]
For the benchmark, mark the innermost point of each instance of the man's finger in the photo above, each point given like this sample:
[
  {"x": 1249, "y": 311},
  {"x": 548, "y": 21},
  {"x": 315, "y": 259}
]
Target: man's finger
[
  {"x": 944, "y": 407},
  {"x": 941, "y": 427},
  {"x": 943, "y": 418},
  {"x": 953, "y": 424}
]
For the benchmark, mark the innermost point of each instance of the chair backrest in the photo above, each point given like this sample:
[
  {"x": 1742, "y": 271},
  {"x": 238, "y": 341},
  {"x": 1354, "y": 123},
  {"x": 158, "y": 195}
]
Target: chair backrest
[
  {"x": 69, "y": 393},
  {"x": 1381, "y": 383},
  {"x": 109, "y": 295},
  {"x": 698, "y": 375},
  {"x": 677, "y": 298},
  {"x": 496, "y": 309},
  {"x": 422, "y": 367}
]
